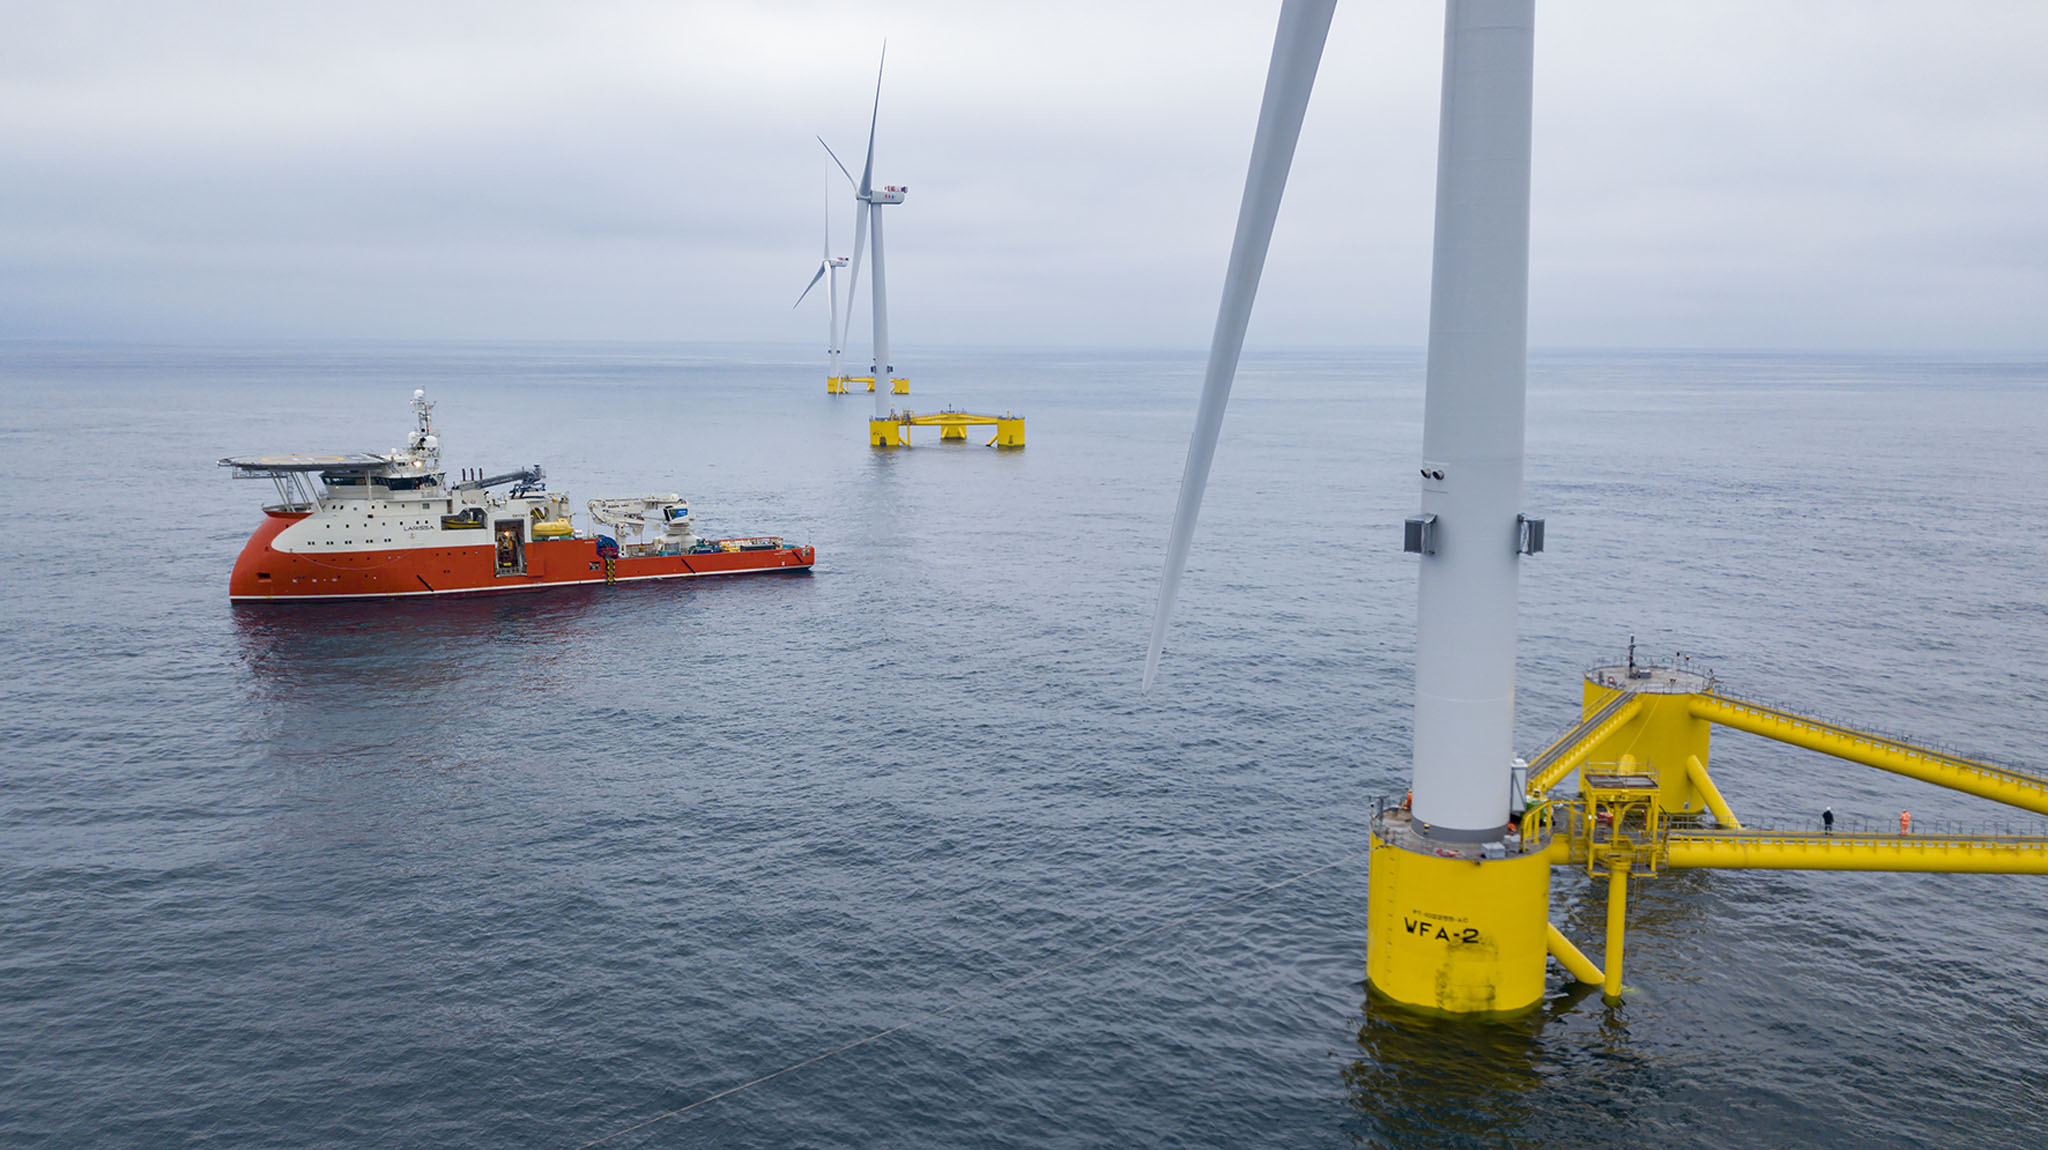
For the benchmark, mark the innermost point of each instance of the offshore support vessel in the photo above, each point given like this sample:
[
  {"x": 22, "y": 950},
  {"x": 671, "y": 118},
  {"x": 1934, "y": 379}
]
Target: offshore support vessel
[{"x": 366, "y": 526}]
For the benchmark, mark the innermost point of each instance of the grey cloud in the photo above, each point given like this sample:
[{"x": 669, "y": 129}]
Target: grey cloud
[{"x": 1741, "y": 174}]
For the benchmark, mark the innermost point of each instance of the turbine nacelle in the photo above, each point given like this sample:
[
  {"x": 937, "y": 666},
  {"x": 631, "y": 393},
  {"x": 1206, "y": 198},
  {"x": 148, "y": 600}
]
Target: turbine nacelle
[{"x": 889, "y": 195}]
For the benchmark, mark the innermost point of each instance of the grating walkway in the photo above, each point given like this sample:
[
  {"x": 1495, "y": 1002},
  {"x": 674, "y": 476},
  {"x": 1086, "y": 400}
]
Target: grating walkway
[{"x": 1971, "y": 776}]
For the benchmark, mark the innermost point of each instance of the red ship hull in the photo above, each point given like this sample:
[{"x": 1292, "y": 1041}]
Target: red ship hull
[{"x": 264, "y": 574}]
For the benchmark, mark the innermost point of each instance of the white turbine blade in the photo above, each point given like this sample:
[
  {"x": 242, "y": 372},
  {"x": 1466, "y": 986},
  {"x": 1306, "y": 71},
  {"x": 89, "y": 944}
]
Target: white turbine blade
[
  {"x": 809, "y": 286},
  {"x": 835, "y": 159},
  {"x": 867, "y": 174},
  {"x": 860, "y": 242},
  {"x": 1297, "y": 50}
]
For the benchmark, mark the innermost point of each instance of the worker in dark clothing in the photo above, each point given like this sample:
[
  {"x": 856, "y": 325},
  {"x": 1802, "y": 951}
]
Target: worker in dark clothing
[{"x": 1827, "y": 820}]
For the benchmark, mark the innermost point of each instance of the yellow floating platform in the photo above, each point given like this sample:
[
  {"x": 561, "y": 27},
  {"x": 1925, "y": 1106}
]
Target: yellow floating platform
[
  {"x": 838, "y": 384},
  {"x": 894, "y": 430},
  {"x": 1461, "y": 928}
]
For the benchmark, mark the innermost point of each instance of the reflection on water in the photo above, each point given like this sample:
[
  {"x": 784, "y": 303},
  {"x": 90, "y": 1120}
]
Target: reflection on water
[
  {"x": 1422, "y": 1079},
  {"x": 408, "y": 684},
  {"x": 291, "y": 648}
]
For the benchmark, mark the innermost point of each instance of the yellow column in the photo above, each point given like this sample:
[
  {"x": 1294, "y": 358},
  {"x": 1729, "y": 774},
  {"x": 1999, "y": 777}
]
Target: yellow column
[
  {"x": 887, "y": 433},
  {"x": 1010, "y": 432},
  {"x": 1661, "y": 734},
  {"x": 1456, "y": 935},
  {"x": 899, "y": 386},
  {"x": 1617, "y": 926}
]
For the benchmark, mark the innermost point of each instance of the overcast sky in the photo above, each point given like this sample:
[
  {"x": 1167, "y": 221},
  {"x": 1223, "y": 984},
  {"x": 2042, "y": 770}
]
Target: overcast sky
[{"x": 1730, "y": 174}]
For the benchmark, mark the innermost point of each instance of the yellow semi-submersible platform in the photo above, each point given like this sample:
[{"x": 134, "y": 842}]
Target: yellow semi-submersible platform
[{"x": 1463, "y": 928}]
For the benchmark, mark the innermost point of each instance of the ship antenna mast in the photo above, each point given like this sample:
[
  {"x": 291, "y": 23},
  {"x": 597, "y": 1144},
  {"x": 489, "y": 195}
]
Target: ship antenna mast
[{"x": 425, "y": 444}]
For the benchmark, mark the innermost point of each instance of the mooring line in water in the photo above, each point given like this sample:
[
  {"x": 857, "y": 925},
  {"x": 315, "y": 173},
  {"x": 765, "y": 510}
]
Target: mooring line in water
[{"x": 984, "y": 996}]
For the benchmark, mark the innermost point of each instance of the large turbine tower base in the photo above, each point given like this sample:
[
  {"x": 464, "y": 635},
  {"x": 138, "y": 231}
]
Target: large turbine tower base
[
  {"x": 1456, "y": 929},
  {"x": 1457, "y": 904}
]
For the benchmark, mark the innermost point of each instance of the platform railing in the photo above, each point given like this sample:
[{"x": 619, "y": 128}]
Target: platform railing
[
  {"x": 1906, "y": 739},
  {"x": 1900, "y": 745},
  {"x": 1863, "y": 827}
]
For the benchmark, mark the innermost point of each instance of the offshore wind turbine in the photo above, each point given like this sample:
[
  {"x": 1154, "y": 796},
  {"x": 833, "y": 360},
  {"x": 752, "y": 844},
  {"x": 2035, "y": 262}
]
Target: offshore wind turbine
[
  {"x": 1458, "y": 893},
  {"x": 1448, "y": 860},
  {"x": 835, "y": 377},
  {"x": 868, "y": 202}
]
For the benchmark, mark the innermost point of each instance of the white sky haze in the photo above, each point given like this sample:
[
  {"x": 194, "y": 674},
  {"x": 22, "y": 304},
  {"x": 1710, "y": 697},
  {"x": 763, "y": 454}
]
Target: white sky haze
[{"x": 1824, "y": 174}]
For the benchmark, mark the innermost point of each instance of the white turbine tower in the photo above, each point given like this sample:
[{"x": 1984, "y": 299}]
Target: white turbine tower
[
  {"x": 868, "y": 202},
  {"x": 835, "y": 376},
  {"x": 1453, "y": 859}
]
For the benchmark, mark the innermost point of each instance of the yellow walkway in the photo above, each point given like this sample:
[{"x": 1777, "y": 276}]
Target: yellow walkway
[
  {"x": 1557, "y": 760},
  {"x": 1812, "y": 850},
  {"x": 1971, "y": 776}
]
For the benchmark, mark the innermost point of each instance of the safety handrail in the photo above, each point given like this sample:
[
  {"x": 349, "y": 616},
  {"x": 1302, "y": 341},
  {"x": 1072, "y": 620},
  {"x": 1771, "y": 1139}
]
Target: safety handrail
[
  {"x": 1562, "y": 739},
  {"x": 1860, "y": 827},
  {"x": 1574, "y": 737},
  {"x": 1888, "y": 742}
]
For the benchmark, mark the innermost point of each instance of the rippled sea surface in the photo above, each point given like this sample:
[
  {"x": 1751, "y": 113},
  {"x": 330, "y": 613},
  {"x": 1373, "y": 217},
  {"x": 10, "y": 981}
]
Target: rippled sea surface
[{"x": 533, "y": 870}]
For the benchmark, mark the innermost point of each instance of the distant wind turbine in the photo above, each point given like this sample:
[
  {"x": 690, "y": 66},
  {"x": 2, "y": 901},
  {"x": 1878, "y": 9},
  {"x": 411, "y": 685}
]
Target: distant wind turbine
[
  {"x": 835, "y": 375},
  {"x": 868, "y": 202}
]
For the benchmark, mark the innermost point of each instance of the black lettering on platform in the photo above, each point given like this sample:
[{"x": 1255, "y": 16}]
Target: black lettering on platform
[{"x": 1435, "y": 932}]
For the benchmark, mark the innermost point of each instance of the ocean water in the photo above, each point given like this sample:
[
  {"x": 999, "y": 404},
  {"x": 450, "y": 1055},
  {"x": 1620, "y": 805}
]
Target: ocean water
[{"x": 533, "y": 870}]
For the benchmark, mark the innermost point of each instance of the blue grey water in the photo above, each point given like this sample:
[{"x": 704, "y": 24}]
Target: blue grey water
[{"x": 532, "y": 870}]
